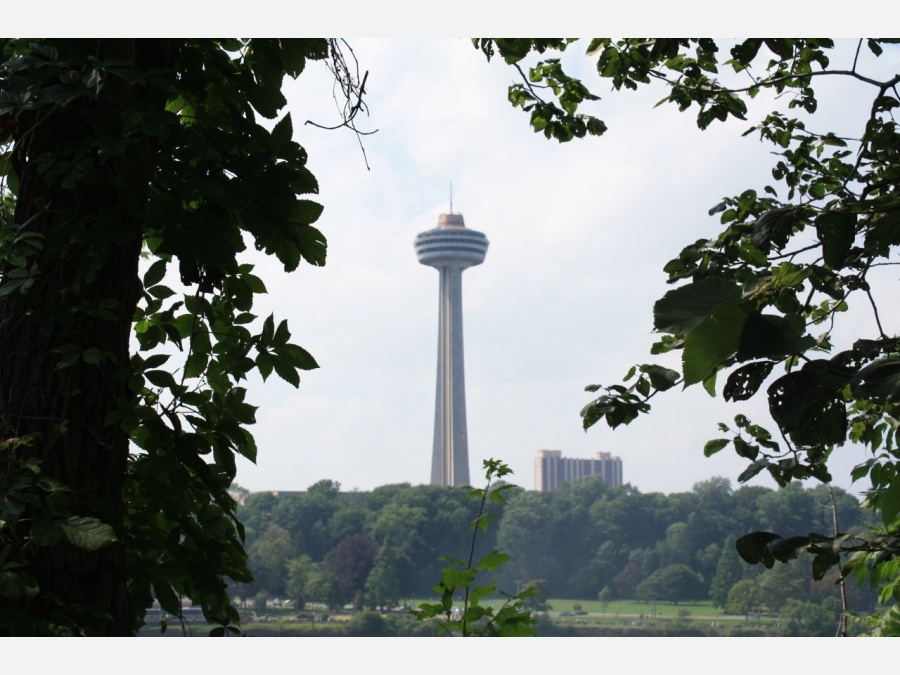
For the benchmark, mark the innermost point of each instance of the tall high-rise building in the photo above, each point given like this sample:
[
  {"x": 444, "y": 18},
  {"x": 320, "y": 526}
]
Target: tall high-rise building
[
  {"x": 551, "y": 469},
  {"x": 451, "y": 247}
]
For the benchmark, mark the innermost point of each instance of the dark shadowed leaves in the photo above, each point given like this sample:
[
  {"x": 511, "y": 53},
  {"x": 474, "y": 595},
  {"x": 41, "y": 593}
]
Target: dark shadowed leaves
[
  {"x": 809, "y": 405},
  {"x": 775, "y": 227},
  {"x": 771, "y": 336},
  {"x": 753, "y": 470},
  {"x": 878, "y": 382},
  {"x": 744, "y": 382},
  {"x": 836, "y": 231},
  {"x": 661, "y": 378},
  {"x": 684, "y": 308},
  {"x": 788, "y": 549},
  {"x": 754, "y": 547}
]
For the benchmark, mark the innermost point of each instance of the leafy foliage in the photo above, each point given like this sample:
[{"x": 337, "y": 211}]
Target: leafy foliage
[
  {"x": 675, "y": 583},
  {"x": 112, "y": 151},
  {"x": 476, "y": 619},
  {"x": 768, "y": 292}
]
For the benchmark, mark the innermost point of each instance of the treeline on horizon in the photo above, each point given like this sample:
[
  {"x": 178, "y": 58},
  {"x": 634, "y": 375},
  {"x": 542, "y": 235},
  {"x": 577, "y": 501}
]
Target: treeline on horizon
[{"x": 584, "y": 540}]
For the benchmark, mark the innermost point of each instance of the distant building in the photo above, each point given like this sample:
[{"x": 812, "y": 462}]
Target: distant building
[{"x": 551, "y": 469}]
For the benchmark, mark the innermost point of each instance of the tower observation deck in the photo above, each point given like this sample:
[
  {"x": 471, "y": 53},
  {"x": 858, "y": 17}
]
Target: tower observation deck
[{"x": 451, "y": 247}]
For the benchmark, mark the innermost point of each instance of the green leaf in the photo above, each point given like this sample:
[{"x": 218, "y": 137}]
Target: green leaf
[
  {"x": 196, "y": 364},
  {"x": 683, "y": 309},
  {"x": 454, "y": 578},
  {"x": 184, "y": 325},
  {"x": 492, "y": 561},
  {"x": 753, "y": 470},
  {"x": 282, "y": 133},
  {"x": 91, "y": 355},
  {"x": 775, "y": 227},
  {"x": 161, "y": 378},
  {"x": 770, "y": 336},
  {"x": 156, "y": 360},
  {"x": 788, "y": 549},
  {"x": 837, "y": 232},
  {"x": 282, "y": 334},
  {"x": 268, "y": 330},
  {"x": 313, "y": 247},
  {"x": 822, "y": 563},
  {"x": 661, "y": 378},
  {"x": 161, "y": 292},
  {"x": 265, "y": 363},
  {"x": 878, "y": 382},
  {"x": 809, "y": 406},
  {"x": 714, "y": 446},
  {"x": 296, "y": 356},
  {"x": 87, "y": 533},
  {"x": 712, "y": 342},
  {"x": 744, "y": 382},
  {"x": 745, "y": 449},
  {"x": 254, "y": 283},
  {"x": 267, "y": 100},
  {"x": 286, "y": 371},
  {"x": 46, "y": 532},
  {"x": 167, "y": 598},
  {"x": 889, "y": 502},
  {"x": 754, "y": 547},
  {"x": 155, "y": 273}
]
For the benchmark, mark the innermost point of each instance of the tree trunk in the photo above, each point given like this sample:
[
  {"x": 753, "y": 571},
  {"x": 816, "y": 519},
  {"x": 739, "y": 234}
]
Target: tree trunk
[{"x": 82, "y": 302}]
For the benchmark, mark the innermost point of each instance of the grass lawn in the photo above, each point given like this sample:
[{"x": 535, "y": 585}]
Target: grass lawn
[
  {"x": 635, "y": 607},
  {"x": 622, "y": 607},
  {"x": 626, "y": 611}
]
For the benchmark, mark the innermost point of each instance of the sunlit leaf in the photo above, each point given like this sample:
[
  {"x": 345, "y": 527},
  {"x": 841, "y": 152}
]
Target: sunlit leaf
[{"x": 712, "y": 342}]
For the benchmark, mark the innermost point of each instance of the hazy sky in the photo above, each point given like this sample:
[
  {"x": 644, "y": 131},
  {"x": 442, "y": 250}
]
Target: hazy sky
[{"x": 579, "y": 234}]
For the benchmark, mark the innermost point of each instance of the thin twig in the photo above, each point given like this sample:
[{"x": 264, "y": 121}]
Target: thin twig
[
  {"x": 353, "y": 89},
  {"x": 842, "y": 624},
  {"x": 856, "y": 56}
]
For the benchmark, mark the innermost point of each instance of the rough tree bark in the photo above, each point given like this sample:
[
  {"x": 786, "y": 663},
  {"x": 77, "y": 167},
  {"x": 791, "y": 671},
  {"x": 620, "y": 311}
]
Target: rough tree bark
[{"x": 83, "y": 300}]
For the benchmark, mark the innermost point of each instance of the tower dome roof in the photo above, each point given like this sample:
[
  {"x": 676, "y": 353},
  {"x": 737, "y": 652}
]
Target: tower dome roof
[{"x": 451, "y": 243}]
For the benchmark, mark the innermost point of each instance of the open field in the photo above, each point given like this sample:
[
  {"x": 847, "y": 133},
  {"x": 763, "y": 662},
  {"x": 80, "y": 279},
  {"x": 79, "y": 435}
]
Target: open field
[
  {"x": 617, "y": 618},
  {"x": 626, "y": 611}
]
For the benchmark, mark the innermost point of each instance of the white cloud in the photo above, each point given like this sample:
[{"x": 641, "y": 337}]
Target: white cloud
[{"x": 579, "y": 235}]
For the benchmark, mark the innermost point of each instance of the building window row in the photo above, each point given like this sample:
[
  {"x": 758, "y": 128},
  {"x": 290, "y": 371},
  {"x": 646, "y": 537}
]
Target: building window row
[
  {"x": 438, "y": 249},
  {"x": 551, "y": 469},
  {"x": 452, "y": 240}
]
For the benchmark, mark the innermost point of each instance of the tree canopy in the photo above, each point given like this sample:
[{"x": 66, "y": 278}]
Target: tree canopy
[
  {"x": 572, "y": 540},
  {"x": 762, "y": 309},
  {"x": 121, "y": 405}
]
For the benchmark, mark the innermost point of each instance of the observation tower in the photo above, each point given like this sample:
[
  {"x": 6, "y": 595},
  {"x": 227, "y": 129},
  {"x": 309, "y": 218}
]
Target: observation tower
[{"x": 451, "y": 247}]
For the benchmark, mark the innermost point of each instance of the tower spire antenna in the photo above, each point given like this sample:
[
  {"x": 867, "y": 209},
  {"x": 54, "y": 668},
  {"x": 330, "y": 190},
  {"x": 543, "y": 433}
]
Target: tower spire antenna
[{"x": 451, "y": 197}]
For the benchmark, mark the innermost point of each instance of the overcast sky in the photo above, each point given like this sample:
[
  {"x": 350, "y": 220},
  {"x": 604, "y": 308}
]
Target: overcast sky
[{"x": 579, "y": 234}]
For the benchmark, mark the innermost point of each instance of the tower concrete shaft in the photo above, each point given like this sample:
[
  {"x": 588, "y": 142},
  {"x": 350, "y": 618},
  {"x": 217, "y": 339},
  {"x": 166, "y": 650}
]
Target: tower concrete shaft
[{"x": 450, "y": 247}]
